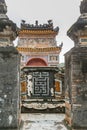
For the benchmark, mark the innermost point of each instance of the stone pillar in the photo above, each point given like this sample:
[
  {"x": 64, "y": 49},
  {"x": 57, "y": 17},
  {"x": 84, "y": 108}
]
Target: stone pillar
[
  {"x": 76, "y": 74},
  {"x": 76, "y": 88},
  {"x": 9, "y": 72},
  {"x": 9, "y": 88}
]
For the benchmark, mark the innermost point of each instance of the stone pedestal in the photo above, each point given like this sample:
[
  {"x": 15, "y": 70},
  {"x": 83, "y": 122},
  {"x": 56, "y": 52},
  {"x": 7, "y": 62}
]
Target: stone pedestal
[
  {"x": 76, "y": 87},
  {"x": 9, "y": 88}
]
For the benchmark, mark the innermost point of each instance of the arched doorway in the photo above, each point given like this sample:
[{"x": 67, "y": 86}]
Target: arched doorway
[{"x": 36, "y": 62}]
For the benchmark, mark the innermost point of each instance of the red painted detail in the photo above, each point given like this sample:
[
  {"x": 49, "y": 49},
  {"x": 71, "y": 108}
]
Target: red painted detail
[{"x": 36, "y": 62}]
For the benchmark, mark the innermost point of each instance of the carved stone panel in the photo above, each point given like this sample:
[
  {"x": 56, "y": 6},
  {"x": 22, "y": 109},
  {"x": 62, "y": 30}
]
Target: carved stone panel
[{"x": 40, "y": 82}]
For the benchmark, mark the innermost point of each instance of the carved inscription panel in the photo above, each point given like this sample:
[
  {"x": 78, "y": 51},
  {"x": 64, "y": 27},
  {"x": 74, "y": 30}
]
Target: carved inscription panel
[
  {"x": 41, "y": 83},
  {"x": 38, "y": 85}
]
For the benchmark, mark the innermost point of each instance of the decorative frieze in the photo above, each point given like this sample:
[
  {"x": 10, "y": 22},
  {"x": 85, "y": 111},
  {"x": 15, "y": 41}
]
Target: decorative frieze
[{"x": 38, "y": 49}]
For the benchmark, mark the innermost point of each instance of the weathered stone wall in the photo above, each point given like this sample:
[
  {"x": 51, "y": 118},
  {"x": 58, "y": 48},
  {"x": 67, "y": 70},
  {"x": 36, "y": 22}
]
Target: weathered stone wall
[
  {"x": 9, "y": 87},
  {"x": 76, "y": 87}
]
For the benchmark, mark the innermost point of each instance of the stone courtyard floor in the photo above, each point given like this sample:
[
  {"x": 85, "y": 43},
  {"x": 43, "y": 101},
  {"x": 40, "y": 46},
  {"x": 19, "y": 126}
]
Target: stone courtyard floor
[{"x": 39, "y": 121}]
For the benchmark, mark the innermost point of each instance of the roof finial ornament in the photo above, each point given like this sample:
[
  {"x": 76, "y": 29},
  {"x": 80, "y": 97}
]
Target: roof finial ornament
[
  {"x": 50, "y": 22},
  {"x": 3, "y": 1},
  {"x": 83, "y": 6},
  {"x": 36, "y": 22},
  {"x": 23, "y": 21},
  {"x": 3, "y": 7}
]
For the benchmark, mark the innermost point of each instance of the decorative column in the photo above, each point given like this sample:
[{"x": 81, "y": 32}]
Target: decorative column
[
  {"x": 76, "y": 73},
  {"x": 9, "y": 72}
]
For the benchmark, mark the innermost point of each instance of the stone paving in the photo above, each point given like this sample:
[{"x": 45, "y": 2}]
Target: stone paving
[{"x": 43, "y": 122}]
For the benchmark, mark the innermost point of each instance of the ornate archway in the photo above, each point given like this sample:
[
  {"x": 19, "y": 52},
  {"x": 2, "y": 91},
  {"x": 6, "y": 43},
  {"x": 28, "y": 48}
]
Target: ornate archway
[{"x": 36, "y": 62}]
